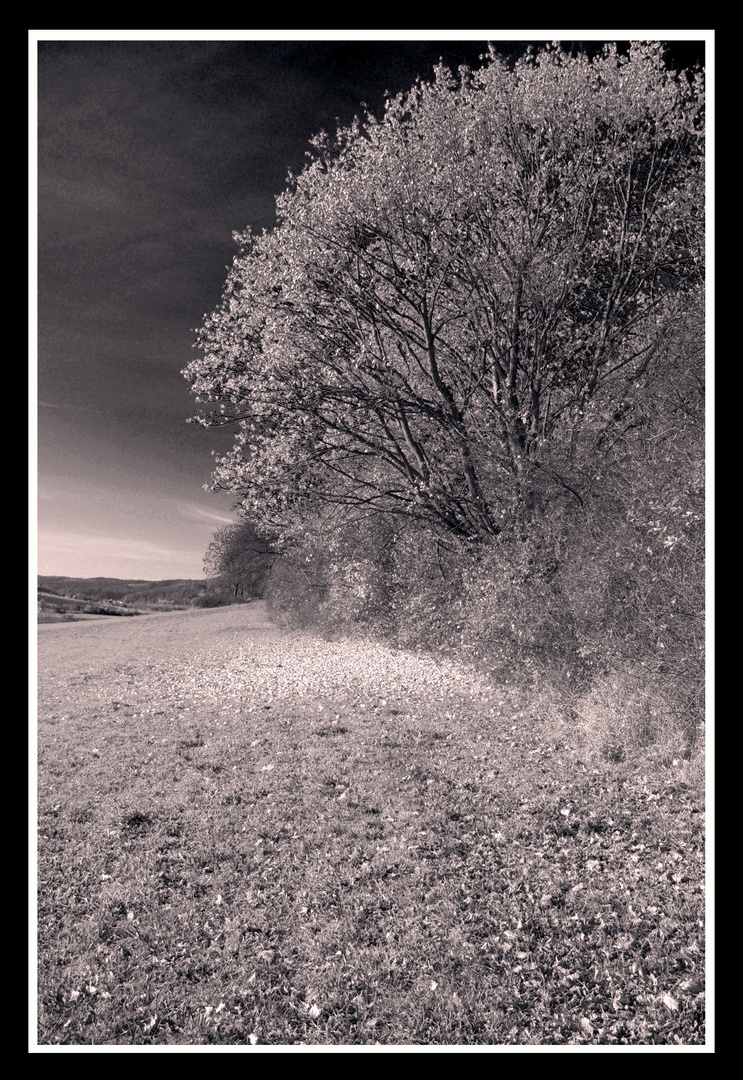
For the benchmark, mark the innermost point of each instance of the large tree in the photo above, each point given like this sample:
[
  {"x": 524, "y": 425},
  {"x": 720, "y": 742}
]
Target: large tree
[{"x": 452, "y": 292}]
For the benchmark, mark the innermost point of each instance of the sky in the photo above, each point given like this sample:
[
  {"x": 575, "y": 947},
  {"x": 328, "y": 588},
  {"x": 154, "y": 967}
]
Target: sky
[{"x": 148, "y": 153}]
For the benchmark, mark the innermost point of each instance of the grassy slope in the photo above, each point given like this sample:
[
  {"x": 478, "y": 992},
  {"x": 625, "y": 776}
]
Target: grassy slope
[{"x": 246, "y": 845}]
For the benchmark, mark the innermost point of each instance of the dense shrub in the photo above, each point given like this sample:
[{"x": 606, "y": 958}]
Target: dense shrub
[
  {"x": 296, "y": 590},
  {"x": 521, "y": 618}
]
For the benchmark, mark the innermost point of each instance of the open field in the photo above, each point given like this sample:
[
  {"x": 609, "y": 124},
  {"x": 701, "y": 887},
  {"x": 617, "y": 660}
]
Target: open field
[
  {"x": 54, "y": 608},
  {"x": 254, "y": 838}
]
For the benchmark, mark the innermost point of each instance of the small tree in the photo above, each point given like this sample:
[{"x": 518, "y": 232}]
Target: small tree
[{"x": 238, "y": 561}]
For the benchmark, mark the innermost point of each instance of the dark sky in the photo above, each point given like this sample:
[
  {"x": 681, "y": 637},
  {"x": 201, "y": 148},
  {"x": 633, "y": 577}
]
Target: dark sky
[{"x": 150, "y": 154}]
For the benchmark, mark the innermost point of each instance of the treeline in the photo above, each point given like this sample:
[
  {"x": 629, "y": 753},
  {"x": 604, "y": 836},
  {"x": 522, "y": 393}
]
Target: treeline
[{"x": 467, "y": 376}]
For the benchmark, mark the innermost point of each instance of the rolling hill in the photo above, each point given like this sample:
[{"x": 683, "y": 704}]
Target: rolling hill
[{"x": 128, "y": 592}]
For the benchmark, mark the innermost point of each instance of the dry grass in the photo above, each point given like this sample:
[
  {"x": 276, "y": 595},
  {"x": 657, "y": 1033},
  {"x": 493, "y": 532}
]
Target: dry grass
[
  {"x": 626, "y": 714},
  {"x": 247, "y": 838}
]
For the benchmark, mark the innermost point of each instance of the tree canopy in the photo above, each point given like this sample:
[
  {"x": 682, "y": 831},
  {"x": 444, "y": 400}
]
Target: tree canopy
[{"x": 459, "y": 296}]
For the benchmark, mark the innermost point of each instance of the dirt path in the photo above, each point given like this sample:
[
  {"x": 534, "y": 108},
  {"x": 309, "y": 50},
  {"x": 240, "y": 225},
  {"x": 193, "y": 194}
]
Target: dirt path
[
  {"x": 95, "y": 644},
  {"x": 229, "y": 655}
]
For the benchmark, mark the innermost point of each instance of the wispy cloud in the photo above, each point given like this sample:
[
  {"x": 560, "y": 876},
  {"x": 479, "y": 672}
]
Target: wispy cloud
[
  {"x": 104, "y": 545},
  {"x": 51, "y": 405},
  {"x": 197, "y": 513},
  {"x": 96, "y": 555}
]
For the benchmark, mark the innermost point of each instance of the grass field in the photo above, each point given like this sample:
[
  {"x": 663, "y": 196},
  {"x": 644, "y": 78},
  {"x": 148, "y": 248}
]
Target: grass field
[{"x": 250, "y": 838}]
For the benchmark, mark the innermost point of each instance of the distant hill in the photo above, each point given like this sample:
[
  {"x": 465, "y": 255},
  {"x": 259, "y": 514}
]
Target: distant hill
[{"x": 179, "y": 592}]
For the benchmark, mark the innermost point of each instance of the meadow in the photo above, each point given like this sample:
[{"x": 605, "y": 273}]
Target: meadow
[{"x": 251, "y": 837}]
